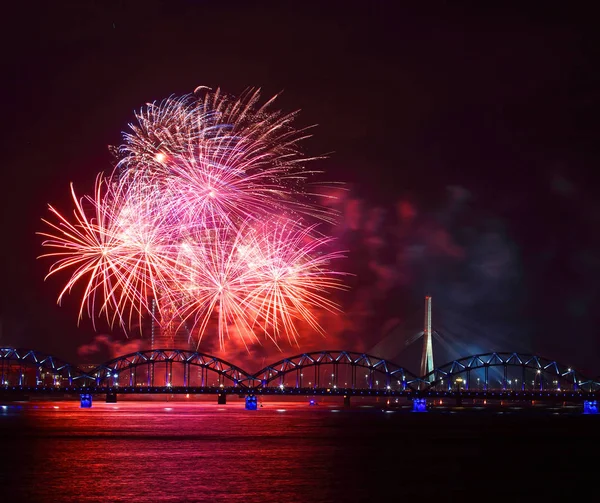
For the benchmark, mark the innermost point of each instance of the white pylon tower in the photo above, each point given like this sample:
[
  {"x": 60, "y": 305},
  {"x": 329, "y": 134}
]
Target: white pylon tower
[{"x": 427, "y": 356}]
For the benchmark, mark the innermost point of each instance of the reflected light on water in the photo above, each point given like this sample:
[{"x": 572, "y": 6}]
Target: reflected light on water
[{"x": 136, "y": 452}]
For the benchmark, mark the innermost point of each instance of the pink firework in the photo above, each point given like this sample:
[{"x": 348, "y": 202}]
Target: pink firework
[
  {"x": 293, "y": 278},
  {"x": 257, "y": 280},
  {"x": 119, "y": 257},
  {"x": 220, "y": 158},
  {"x": 205, "y": 217}
]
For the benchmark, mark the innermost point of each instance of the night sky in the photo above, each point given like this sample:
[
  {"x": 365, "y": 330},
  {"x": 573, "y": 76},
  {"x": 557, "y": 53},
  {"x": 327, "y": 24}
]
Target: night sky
[{"x": 467, "y": 140}]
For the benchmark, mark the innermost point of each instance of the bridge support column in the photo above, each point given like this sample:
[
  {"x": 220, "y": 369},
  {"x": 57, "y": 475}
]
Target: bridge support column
[
  {"x": 590, "y": 407},
  {"x": 221, "y": 398},
  {"x": 111, "y": 397},
  {"x": 251, "y": 402},
  {"x": 346, "y": 400},
  {"x": 86, "y": 401},
  {"x": 419, "y": 405}
]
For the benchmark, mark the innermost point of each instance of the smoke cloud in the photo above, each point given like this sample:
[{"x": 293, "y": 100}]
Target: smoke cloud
[
  {"x": 399, "y": 253},
  {"x": 105, "y": 346}
]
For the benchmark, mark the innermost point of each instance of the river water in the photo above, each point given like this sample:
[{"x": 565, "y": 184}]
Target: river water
[{"x": 290, "y": 452}]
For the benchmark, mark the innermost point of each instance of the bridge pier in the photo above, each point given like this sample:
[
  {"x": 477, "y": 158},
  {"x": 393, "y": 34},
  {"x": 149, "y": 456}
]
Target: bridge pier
[
  {"x": 251, "y": 402},
  {"x": 590, "y": 407},
  {"x": 111, "y": 397},
  {"x": 419, "y": 405},
  {"x": 221, "y": 398},
  {"x": 86, "y": 400}
]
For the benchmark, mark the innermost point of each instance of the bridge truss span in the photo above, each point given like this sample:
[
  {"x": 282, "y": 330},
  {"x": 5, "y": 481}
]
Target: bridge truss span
[
  {"x": 168, "y": 368},
  {"x": 508, "y": 372},
  {"x": 512, "y": 376},
  {"x": 27, "y": 367},
  {"x": 331, "y": 370}
]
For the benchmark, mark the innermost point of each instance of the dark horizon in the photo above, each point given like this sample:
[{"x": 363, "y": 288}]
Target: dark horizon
[{"x": 466, "y": 138}]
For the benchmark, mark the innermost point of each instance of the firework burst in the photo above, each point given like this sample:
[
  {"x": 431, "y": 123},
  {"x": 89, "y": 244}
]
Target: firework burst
[{"x": 204, "y": 216}]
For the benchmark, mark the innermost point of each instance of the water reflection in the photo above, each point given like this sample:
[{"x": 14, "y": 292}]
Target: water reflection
[{"x": 285, "y": 452}]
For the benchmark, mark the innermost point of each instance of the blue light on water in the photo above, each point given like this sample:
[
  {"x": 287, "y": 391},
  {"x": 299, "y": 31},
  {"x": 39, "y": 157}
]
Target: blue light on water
[
  {"x": 251, "y": 402},
  {"x": 419, "y": 405},
  {"x": 590, "y": 407},
  {"x": 86, "y": 401}
]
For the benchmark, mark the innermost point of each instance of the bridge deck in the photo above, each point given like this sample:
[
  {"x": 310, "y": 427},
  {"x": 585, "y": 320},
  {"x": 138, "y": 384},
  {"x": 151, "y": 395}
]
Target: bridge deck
[{"x": 569, "y": 396}]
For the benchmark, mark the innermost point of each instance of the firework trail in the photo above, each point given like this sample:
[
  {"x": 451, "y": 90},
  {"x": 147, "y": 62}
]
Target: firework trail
[{"x": 205, "y": 216}]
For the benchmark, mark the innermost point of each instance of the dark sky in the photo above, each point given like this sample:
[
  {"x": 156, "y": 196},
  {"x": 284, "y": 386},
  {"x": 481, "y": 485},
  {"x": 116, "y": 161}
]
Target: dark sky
[{"x": 467, "y": 137}]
